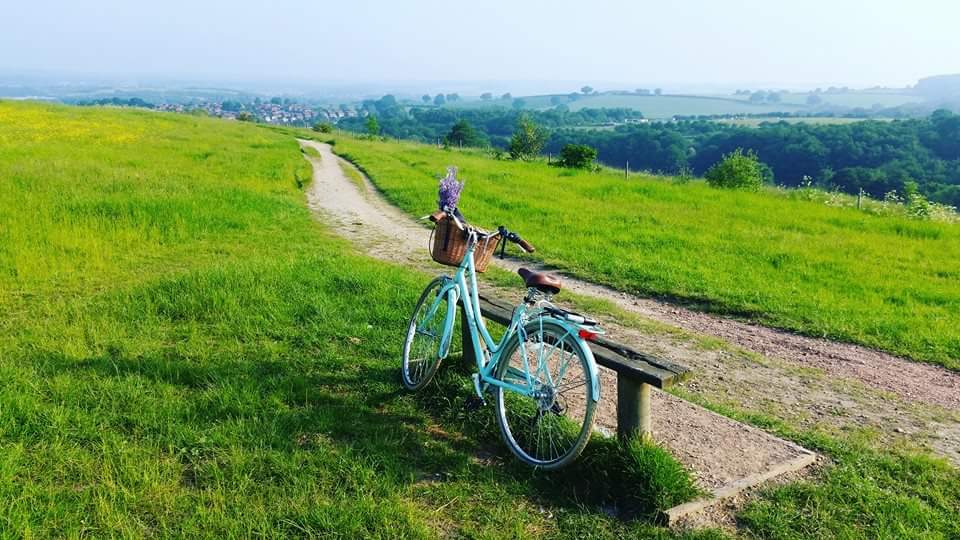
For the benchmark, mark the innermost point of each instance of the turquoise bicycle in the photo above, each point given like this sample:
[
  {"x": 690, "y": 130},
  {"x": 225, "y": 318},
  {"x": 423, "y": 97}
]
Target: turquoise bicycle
[{"x": 541, "y": 374}]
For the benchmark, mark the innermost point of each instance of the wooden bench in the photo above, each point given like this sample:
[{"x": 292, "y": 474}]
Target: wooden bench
[{"x": 637, "y": 372}]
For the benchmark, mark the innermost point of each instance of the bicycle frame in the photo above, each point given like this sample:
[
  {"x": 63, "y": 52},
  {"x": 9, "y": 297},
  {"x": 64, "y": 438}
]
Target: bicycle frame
[{"x": 463, "y": 285}]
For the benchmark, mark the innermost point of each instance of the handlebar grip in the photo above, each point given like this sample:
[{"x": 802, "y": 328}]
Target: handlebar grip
[{"x": 526, "y": 246}]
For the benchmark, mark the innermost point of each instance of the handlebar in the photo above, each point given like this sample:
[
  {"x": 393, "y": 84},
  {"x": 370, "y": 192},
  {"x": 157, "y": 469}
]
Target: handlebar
[
  {"x": 515, "y": 238},
  {"x": 526, "y": 246}
]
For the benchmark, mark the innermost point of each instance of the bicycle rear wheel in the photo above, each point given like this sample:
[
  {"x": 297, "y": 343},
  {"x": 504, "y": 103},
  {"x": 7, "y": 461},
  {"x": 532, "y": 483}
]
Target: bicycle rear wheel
[
  {"x": 421, "y": 348},
  {"x": 550, "y": 428}
]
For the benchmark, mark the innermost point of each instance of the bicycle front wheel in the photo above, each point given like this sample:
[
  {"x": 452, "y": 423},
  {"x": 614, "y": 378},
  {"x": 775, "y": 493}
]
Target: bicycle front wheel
[
  {"x": 422, "y": 346},
  {"x": 549, "y": 428}
]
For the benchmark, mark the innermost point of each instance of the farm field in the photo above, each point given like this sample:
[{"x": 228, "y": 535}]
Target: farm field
[
  {"x": 815, "y": 120},
  {"x": 883, "y": 281},
  {"x": 654, "y": 107},
  {"x": 853, "y": 99},
  {"x": 183, "y": 354},
  {"x": 864, "y": 100},
  {"x": 668, "y": 106}
]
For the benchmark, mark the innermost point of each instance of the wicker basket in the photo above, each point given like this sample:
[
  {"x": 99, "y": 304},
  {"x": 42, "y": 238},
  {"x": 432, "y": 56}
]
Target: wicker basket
[{"x": 449, "y": 244}]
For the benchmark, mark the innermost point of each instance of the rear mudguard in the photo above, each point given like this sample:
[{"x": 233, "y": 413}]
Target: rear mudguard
[{"x": 588, "y": 354}]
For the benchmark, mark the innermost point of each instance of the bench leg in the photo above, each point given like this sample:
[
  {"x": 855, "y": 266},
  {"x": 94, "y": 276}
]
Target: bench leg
[{"x": 633, "y": 409}]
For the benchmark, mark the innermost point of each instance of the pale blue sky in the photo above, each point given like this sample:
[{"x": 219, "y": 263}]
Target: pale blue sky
[{"x": 854, "y": 42}]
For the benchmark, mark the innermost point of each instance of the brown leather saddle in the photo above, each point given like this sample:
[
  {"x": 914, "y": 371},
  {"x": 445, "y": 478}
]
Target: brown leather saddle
[{"x": 546, "y": 283}]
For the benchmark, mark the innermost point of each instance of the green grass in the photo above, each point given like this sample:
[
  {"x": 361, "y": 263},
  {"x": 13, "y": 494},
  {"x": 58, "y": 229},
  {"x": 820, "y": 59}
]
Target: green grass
[
  {"x": 863, "y": 492},
  {"x": 185, "y": 352},
  {"x": 884, "y": 281}
]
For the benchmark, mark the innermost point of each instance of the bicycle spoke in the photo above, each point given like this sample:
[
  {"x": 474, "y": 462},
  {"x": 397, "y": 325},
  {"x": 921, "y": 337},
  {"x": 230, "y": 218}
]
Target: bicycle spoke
[
  {"x": 549, "y": 427},
  {"x": 424, "y": 337}
]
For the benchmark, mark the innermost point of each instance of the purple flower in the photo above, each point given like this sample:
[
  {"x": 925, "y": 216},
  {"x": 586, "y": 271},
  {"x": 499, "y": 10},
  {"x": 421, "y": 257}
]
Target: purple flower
[{"x": 450, "y": 189}]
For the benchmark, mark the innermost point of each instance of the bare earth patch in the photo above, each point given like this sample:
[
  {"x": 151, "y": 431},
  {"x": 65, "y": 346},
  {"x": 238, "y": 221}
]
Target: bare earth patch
[{"x": 807, "y": 381}]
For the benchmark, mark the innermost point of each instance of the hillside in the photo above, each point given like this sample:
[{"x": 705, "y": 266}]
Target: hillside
[
  {"x": 666, "y": 106},
  {"x": 781, "y": 260},
  {"x": 186, "y": 352}
]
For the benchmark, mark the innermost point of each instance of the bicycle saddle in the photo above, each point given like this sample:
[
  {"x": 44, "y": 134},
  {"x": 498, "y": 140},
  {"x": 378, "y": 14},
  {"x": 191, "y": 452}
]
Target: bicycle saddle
[{"x": 542, "y": 282}]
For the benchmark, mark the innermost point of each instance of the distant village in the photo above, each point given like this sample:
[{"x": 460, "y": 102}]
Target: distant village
[{"x": 274, "y": 111}]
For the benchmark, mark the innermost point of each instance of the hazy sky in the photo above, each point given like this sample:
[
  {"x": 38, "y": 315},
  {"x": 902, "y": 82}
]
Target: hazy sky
[{"x": 854, "y": 42}]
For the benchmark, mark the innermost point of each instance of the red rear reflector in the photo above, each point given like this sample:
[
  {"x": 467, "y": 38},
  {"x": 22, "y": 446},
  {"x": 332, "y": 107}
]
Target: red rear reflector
[{"x": 587, "y": 335}]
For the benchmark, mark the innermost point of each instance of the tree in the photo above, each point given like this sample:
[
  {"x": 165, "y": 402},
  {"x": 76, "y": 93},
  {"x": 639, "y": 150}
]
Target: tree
[
  {"x": 737, "y": 170},
  {"x": 774, "y": 97},
  {"x": 506, "y": 96},
  {"x": 577, "y": 156},
  {"x": 587, "y": 90},
  {"x": 519, "y": 103},
  {"x": 528, "y": 139},
  {"x": 373, "y": 127},
  {"x": 758, "y": 97},
  {"x": 486, "y": 96},
  {"x": 556, "y": 100},
  {"x": 658, "y": 91},
  {"x": 463, "y": 134},
  {"x": 426, "y": 99},
  {"x": 323, "y": 127},
  {"x": 439, "y": 100},
  {"x": 245, "y": 117},
  {"x": 453, "y": 97},
  {"x": 814, "y": 99}
]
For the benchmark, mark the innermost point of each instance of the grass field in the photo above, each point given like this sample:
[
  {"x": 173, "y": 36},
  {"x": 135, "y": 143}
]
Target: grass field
[
  {"x": 864, "y": 100},
  {"x": 886, "y": 282},
  {"x": 667, "y": 106},
  {"x": 664, "y": 107},
  {"x": 184, "y": 352},
  {"x": 815, "y": 120},
  {"x": 654, "y": 107}
]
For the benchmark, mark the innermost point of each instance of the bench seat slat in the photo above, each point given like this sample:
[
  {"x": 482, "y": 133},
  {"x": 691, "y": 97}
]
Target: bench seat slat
[{"x": 625, "y": 361}]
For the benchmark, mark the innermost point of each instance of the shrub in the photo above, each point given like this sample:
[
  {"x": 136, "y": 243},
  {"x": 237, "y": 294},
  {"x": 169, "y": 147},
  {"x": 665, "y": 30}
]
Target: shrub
[
  {"x": 372, "y": 126},
  {"x": 528, "y": 140},
  {"x": 463, "y": 134},
  {"x": 323, "y": 127},
  {"x": 577, "y": 156},
  {"x": 737, "y": 170}
]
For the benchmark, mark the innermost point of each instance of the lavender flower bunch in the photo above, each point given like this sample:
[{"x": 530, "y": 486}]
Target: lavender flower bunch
[{"x": 450, "y": 189}]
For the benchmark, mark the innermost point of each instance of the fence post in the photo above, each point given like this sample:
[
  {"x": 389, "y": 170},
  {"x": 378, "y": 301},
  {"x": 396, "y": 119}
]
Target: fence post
[
  {"x": 626, "y": 169},
  {"x": 859, "y": 199}
]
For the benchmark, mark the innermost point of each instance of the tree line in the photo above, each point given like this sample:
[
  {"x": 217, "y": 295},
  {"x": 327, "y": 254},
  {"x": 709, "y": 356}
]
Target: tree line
[
  {"x": 495, "y": 126},
  {"x": 875, "y": 156}
]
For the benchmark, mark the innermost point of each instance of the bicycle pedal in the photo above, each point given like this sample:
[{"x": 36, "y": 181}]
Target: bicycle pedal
[{"x": 473, "y": 403}]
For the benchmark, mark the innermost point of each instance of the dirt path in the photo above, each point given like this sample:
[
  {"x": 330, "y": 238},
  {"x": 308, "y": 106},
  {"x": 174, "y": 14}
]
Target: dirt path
[{"x": 809, "y": 382}]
